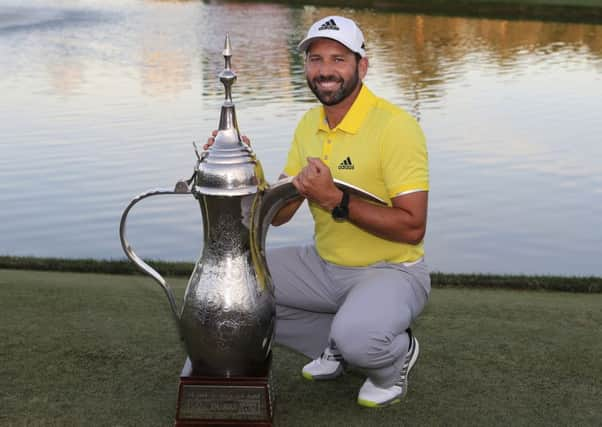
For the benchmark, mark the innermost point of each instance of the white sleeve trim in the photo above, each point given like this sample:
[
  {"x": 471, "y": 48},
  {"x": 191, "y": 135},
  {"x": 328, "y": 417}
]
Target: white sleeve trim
[{"x": 403, "y": 193}]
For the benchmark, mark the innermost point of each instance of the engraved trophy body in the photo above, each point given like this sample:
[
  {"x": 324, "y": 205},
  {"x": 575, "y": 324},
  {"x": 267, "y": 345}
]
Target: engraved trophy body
[{"x": 227, "y": 319}]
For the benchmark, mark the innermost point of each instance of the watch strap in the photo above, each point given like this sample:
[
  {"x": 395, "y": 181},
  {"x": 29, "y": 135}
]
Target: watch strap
[{"x": 341, "y": 211}]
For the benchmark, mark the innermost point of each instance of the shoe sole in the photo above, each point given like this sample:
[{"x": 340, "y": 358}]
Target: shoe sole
[{"x": 332, "y": 376}]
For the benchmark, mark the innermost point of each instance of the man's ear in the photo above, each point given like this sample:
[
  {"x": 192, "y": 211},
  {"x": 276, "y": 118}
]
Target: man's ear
[{"x": 363, "y": 67}]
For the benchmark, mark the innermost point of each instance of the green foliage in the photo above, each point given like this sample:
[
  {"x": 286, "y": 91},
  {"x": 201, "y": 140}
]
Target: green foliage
[
  {"x": 183, "y": 269},
  {"x": 582, "y": 11},
  {"x": 92, "y": 265},
  {"x": 550, "y": 283}
]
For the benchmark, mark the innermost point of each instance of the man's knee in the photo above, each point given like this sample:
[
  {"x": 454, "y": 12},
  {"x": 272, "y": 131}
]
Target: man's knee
[{"x": 363, "y": 348}]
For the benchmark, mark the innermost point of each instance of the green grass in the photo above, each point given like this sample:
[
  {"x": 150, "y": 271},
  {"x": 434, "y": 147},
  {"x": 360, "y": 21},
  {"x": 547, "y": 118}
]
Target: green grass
[{"x": 101, "y": 350}]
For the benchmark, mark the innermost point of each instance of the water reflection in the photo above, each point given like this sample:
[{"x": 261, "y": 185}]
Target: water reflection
[
  {"x": 262, "y": 56},
  {"x": 101, "y": 100},
  {"x": 66, "y": 77},
  {"x": 164, "y": 71}
]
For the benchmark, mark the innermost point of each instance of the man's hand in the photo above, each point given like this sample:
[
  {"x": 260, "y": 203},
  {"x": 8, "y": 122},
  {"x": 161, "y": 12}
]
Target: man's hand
[
  {"x": 315, "y": 183},
  {"x": 211, "y": 140}
]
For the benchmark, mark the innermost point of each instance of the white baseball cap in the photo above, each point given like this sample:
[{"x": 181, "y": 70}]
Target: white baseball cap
[{"x": 343, "y": 30}]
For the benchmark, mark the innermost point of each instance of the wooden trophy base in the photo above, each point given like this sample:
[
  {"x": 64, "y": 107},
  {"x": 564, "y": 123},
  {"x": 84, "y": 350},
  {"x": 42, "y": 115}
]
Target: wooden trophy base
[{"x": 219, "y": 402}]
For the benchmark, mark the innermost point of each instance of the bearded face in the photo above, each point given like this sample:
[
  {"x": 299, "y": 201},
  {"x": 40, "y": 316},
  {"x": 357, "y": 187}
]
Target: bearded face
[
  {"x": 332, "y": 89},
  {"x": 332, "y": 71}
]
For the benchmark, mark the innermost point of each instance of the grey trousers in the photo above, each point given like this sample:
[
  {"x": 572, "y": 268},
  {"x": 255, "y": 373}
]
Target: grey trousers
[{"x": 362, "y": 311}]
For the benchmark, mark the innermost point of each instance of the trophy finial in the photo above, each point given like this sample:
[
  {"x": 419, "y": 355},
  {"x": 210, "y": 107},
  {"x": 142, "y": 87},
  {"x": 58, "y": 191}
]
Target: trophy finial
[
  {"x": 227, "y": 47},
  {"x": 227, "y": 76},
  {"x": 228, "y": 167}
]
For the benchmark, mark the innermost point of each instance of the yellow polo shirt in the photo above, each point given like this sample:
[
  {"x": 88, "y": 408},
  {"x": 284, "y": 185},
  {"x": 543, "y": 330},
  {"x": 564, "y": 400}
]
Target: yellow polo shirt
[{"x": 377, "y": 147}]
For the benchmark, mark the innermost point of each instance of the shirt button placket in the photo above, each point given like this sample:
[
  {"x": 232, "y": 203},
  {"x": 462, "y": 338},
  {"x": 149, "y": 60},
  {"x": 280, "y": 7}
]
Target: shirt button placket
[{"x": 328, "y": 148}]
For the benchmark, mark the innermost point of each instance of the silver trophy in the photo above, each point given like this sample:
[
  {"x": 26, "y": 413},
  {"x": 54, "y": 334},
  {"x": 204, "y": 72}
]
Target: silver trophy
[{"x": 227, "y": 319}]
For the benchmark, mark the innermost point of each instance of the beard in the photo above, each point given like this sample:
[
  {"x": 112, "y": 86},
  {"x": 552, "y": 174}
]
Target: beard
[{"x": 333, "y": 97}]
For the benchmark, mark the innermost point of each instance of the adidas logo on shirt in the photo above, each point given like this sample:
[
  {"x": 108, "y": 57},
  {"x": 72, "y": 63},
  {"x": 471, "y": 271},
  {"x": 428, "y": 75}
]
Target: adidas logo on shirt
[
  {"x": 346, "y": 164},
  {"x": 328, "y": 25}
]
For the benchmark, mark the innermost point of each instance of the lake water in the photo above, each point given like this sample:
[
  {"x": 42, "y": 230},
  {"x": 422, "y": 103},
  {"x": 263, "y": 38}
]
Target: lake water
[{"x": 100, "y": 101}]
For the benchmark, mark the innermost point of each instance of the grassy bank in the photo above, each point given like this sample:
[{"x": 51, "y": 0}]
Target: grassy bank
[
  {"x": 183, "y": 269},
  {"x": 101, "y": 350},
  {"x": 585, "y": 11}
]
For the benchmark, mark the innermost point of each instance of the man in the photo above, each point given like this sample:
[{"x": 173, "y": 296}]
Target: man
[{"x": 349, "y": 298}]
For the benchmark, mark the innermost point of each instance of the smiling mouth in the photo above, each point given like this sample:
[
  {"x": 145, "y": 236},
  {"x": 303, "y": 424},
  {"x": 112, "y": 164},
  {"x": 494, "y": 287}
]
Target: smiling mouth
[{"x": 328, "y": 85}]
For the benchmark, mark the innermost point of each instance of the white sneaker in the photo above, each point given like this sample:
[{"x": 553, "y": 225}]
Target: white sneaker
[
  {"x": 327, "y": 367},
  {"x": 372, "y": 396}
]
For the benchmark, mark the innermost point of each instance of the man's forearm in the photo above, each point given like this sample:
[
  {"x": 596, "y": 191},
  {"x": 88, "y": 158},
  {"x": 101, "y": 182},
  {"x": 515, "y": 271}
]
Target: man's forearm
[{"x": 392, "y": 223}]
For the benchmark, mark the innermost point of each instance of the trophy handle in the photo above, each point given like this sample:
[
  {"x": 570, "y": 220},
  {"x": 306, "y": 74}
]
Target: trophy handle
[{"x": 182, "y": 187}]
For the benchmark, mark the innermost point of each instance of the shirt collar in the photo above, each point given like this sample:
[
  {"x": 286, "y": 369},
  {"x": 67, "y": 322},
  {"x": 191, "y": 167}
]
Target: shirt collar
[{"x": 356, "y": 114}]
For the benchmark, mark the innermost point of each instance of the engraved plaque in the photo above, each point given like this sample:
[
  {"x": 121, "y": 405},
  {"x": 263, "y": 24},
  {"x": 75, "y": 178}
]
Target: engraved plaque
[
  {"x": 217, "y": 401},
  {"x": 223, "y": 402}
]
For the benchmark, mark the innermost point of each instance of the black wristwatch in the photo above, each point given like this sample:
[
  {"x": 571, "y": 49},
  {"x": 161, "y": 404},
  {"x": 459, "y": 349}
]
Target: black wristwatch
[{"x": 341, "y": 212}]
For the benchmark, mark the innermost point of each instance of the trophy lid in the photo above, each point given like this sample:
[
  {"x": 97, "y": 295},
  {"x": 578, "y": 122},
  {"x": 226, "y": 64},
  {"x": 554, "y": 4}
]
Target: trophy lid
[{"x": 229, "y": 167}]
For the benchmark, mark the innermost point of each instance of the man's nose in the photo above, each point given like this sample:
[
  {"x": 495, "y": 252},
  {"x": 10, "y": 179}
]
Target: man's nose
[{"x": 326, "y": 69}]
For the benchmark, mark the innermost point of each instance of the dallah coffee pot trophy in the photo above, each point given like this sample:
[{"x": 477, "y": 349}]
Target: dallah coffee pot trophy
[{"x": 227, "y": 319}]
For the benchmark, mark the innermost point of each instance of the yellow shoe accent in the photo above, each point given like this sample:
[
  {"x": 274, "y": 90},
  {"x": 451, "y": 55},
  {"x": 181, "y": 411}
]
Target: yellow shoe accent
[
  {"x": 307, "y": 376},
  {"x": 370, "y": 404}
]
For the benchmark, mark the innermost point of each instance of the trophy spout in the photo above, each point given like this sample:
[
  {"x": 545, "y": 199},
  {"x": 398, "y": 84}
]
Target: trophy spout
[
  {"x": 283, "y": 191},
  {"x": 359, "y": 192},
  {"x": 275, "y": 197}
]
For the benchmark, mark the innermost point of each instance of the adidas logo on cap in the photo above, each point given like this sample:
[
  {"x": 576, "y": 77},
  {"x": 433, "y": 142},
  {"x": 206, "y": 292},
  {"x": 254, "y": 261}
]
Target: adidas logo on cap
[
  {"x": 346, "y": 164},
  {"x": 329, "y": 25}
]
